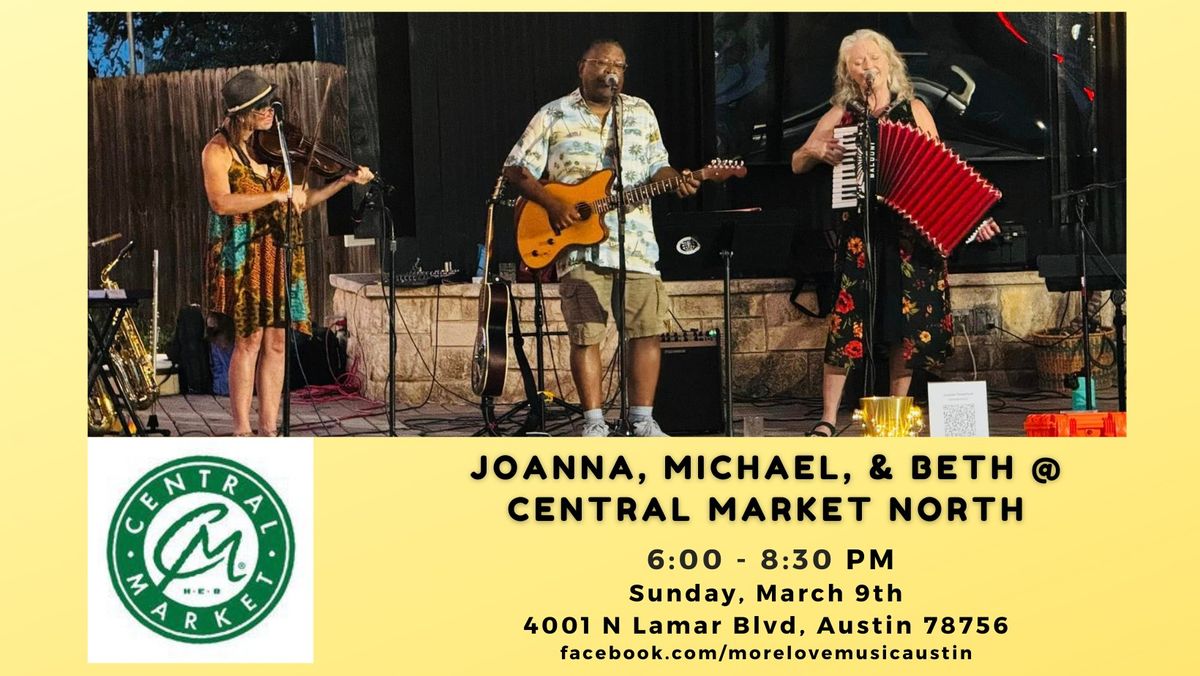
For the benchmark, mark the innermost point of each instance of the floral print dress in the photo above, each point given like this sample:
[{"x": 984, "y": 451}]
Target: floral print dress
[{"x": 912, "y": 306}]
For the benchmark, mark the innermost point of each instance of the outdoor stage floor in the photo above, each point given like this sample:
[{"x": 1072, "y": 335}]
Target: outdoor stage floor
[{"x": 207, "y": 415}]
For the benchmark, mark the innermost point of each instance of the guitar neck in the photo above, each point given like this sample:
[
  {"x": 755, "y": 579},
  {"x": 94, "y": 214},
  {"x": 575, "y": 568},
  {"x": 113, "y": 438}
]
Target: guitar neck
[
  {"x": 487, "y": 255},
  {"x": 644, "y": 193}
]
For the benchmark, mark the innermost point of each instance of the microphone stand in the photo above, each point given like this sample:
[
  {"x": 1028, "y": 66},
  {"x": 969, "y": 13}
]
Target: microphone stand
[
  {"x": 1080, "y": 207},
  {"x": 1118, "y": 296},
  {"x": 867, "y": 159},
  {"x": 374, "y": 198},
  {"x": 623, "y": 428},
  {"x": 288, "y": 335},
  {"x": 392, "y": 346}
]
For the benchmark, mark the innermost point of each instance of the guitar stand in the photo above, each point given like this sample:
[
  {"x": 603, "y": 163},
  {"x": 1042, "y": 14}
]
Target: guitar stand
[
  {"x": 533, "y": 401},
  {"x": 537, "y": 399},
  {"x": 540, "y": 333}
]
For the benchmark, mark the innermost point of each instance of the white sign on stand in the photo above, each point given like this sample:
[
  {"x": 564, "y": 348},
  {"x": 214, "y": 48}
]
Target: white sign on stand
[{"x": 958, "y": 409}]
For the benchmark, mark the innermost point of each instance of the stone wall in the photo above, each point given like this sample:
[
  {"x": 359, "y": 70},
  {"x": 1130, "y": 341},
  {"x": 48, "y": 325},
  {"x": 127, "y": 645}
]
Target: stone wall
[{"x": 777, "y": 349}]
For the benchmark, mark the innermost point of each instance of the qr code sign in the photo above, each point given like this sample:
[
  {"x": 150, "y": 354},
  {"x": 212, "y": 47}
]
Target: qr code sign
[
  {"x": 959, "y": 420},
  {"x": 958, "y": 409}
]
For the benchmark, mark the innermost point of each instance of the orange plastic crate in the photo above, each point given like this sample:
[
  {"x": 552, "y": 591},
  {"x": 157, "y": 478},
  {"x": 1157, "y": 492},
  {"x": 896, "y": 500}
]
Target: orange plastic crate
[{"x": 1076, "y": 424}]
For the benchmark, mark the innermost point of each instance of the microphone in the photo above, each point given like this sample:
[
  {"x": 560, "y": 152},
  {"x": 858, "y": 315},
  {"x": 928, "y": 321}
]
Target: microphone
[
  {"x": 105, "y": 240},
  {"x": 612, "y": 80},
  {"x": 870, "y": 75},
  {"x": 277, "y": 105}
]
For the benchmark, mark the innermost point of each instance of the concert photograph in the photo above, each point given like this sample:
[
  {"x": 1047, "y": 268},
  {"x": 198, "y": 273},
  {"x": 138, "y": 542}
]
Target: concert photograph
[{"x": 731, "y": 224}]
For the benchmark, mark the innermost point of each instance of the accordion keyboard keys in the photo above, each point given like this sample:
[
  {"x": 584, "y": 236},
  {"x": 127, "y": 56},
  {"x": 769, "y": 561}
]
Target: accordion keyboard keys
[{"x": 846, "y": 183}]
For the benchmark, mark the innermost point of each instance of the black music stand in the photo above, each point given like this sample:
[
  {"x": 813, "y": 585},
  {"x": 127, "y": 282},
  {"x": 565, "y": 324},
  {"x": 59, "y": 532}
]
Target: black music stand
[
  {"x": 691, "y": 242},
  {"x": 1081, "y": 276},
  {"x": 702, "y": 246},
  {"x": 1066, "y": 273}
]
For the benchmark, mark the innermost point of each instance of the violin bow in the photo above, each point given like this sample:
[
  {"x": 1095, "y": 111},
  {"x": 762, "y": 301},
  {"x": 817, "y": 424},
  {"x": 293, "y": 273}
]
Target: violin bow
[{"x": 316, "y": 132}]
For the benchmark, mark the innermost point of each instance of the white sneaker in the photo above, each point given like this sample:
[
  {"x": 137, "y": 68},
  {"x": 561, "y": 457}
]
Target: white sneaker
[
  {"x": 648, "y": 428},
  {"x": 595, "y": 429}
]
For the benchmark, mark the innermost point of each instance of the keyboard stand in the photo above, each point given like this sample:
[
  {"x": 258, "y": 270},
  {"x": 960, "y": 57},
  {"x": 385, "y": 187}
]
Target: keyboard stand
[{"x": 102, "y": 333}]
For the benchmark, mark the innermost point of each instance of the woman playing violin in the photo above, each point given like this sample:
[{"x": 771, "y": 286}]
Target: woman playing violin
[{"x": 244, "y": 268}]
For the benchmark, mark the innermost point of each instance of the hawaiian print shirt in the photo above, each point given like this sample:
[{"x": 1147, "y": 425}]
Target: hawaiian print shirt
[{"x": 566, "y": 142}]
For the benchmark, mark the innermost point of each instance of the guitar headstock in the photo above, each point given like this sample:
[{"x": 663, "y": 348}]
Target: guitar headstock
[
  {"x": 498, "y": 190},
  {"x": 718, "y": 170}
]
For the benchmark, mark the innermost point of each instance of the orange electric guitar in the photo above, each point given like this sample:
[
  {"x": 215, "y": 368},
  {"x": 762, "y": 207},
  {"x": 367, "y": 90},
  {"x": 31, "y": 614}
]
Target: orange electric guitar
[{"x": 539, "y": 241}]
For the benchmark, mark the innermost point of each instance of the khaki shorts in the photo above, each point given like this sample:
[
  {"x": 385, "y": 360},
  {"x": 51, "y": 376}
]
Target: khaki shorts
[{"x": 587, "y": 301}]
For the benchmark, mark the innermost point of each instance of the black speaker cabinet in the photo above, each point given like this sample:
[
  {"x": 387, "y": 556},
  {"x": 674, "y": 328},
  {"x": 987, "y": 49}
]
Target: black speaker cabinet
[{"x": 688, "y": 401}]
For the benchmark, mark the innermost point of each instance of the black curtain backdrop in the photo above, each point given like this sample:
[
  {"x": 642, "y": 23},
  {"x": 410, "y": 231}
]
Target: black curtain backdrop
[
  {"x": 477, "y": 79},
  {"x": 455, "y": 90}
]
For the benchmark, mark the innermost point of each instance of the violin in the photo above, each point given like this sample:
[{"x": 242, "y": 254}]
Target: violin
[{"x": 327, "y": 161}]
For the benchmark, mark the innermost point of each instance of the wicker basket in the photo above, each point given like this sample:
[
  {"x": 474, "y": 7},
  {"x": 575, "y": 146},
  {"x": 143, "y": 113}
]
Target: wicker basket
[{"x": 1057, "y": 356}]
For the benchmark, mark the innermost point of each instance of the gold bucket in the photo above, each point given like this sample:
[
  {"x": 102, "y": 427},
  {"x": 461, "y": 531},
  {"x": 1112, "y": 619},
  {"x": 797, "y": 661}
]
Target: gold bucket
[{"x": 889, "y": 417}]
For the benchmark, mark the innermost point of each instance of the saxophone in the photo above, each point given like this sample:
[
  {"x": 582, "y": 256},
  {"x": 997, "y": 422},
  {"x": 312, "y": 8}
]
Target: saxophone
[
  {"x": 134, "y": 366},
  {"x": 102, "y": 415}
]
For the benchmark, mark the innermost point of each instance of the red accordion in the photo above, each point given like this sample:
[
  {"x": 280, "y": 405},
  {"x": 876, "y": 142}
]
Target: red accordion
[{"x": 930, "y": 186}]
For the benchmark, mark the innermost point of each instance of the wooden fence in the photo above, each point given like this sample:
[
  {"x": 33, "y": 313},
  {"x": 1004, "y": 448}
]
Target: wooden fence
[{"x": 145, "y": 135}]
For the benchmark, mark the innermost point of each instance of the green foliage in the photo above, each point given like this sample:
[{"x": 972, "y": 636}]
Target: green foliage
[{"x": 171, "y": 41}]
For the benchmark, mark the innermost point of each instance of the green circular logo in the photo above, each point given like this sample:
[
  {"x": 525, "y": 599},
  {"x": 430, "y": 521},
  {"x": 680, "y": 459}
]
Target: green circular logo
[{"x": 200, "y": 549}]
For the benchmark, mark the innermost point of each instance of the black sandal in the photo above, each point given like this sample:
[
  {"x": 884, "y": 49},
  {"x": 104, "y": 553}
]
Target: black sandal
[{"x": 822, "y": 429}]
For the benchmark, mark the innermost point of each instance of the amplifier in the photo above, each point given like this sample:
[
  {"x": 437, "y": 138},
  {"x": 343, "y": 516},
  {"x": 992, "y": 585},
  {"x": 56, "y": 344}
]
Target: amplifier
[{"x": 688, "y": 400}]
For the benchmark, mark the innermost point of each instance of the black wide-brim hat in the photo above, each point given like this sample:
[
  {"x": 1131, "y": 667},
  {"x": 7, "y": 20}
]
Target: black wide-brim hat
[{"x": 244, "y": 90}]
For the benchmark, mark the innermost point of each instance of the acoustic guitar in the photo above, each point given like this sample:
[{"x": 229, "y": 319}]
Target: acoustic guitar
[
  {"x": 539, "y": 241},
  {"x": 489, "y": 363}
]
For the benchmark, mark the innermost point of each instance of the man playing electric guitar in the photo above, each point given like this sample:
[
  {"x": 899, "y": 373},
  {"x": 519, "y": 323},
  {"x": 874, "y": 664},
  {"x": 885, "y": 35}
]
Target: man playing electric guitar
[{"x": 568, "y": 140}]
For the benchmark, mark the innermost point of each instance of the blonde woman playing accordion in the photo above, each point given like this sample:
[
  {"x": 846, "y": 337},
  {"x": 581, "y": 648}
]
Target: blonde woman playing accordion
[{"x": 911, "y": 314}]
